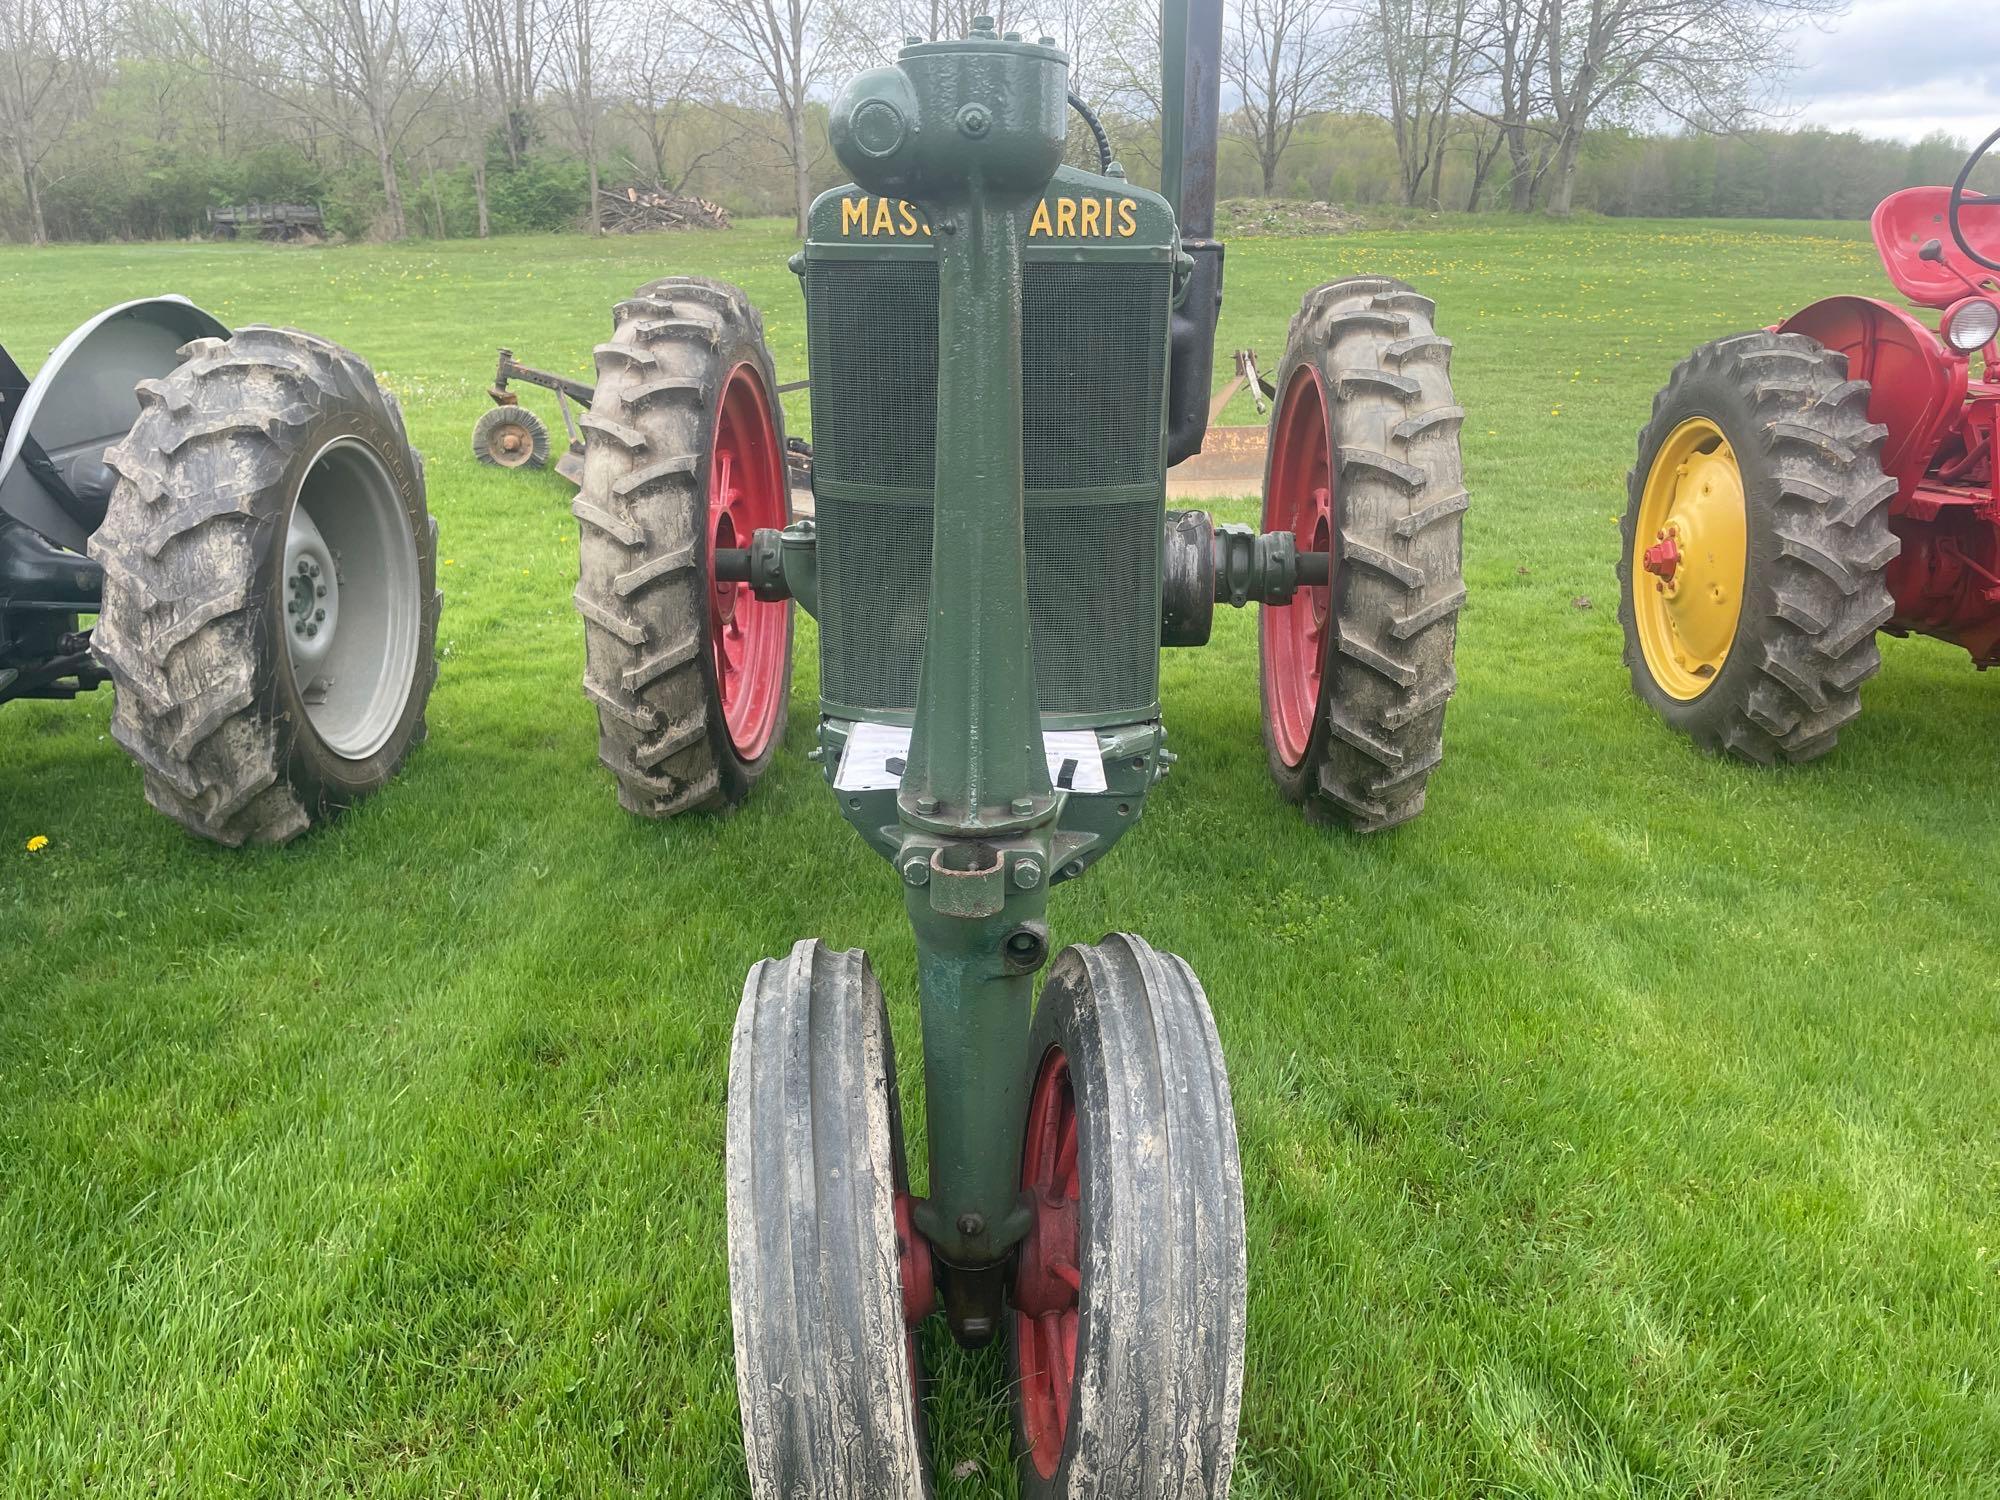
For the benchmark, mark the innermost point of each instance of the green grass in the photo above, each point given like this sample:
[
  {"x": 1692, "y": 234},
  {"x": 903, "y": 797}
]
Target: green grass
[{"x": 1625, "y": 1126}]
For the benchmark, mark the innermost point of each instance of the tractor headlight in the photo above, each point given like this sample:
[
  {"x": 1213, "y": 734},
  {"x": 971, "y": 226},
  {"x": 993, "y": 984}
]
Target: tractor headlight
[{"x": 1972, "y": 324}]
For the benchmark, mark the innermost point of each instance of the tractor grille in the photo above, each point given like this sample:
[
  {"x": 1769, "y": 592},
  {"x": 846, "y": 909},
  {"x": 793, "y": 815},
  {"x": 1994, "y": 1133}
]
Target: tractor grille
[{"x": 1093, "y": 342}]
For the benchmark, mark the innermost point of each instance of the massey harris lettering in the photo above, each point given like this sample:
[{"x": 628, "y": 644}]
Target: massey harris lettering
[
  {"x": 881, "y": 217},
  {"x": 1055, "y": 218}
]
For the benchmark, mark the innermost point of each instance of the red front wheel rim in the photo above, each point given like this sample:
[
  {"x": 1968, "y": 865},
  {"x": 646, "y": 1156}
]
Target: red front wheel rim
[
  {"x": 1049, "y": 1283},
  {"x": 747, "y": 492},
  {"x": 1299, "y": 498}
]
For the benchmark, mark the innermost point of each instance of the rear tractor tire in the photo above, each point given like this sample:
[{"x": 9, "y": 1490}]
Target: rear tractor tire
[
  {"x": 1364, "y": 463},
  {"x": 684, "y": 452},
  {"x": 270, "y": 587},
  {"x": 1756, "y": 538}
]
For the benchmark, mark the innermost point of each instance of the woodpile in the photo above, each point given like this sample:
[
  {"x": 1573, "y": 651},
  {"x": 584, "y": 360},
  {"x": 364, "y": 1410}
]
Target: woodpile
[{"x": 639, "y": 209}]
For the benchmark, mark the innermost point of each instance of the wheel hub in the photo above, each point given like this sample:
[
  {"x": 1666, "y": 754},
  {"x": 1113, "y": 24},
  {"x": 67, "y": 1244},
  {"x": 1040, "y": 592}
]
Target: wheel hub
[
  {"x": 352, "y": 618},
  {"x": 746, "y": 491},
  {"x": 913, "y": 1257},
  {"x": 1298, "y": 497},
  {"x": 312, "y": 597},
  {"x": 1663, "y": 559},
  {"x": 1692, "y": 540},
  {"x": 1048, "y": 1280}
]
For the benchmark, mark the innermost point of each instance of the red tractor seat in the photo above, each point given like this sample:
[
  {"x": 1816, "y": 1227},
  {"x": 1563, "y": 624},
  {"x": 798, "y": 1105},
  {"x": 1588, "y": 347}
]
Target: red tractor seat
[{"x": 1905, "y": 221}]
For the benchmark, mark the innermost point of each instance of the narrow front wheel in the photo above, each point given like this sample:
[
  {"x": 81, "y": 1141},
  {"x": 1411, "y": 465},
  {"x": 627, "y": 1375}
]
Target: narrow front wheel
[
  {"x": 826, "y": 1279},
  {"x": 1128, "y": 1301}
]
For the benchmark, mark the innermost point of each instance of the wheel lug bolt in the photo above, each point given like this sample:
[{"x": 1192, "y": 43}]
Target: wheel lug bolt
[
  {"x": 312, "y": 630},
  {"x": 320, "y": 591},
  {"x": 304, "y": 566},
  {"x": 319, "y": 615}
]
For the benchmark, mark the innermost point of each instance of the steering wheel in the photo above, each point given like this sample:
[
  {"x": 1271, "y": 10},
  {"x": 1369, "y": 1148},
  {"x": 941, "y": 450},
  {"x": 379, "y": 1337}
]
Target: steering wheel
[{"x": 1959, "y": 200}]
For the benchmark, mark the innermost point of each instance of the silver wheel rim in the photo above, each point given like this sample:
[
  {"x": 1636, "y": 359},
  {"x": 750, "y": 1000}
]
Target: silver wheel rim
[{"x": 349, "y": 599}]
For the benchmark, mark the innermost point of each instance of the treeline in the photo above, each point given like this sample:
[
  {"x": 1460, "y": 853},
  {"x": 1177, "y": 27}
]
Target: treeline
[
  {"x": 1758, "y": 174},
  {"x": 129, "y": 119}
]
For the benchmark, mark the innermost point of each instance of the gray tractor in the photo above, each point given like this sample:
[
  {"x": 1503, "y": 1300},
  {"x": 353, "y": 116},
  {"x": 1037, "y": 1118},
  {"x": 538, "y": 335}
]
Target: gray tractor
[{"x": 244, "y": 517}]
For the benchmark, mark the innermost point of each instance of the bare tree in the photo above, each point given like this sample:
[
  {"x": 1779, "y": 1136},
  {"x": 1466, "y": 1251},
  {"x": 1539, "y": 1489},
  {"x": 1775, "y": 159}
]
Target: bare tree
[
  {"x": 1707, "y": 63},
  {"x": 780, "y": 50},
  {"x": 476, "y": 99},
  {"x": 1422, "y": 56},
  {"x": 665, "y": 85},
  {"x": 45, "y": 55},
  {"x": 577, "y": 30},
  {"x": 1506, "y": 90},
  {"x": 508, "y": 36},
  {"x": 934, "y": 20},
  {"x": 1127, "y": 75},
  {"x": 1284, "y": 60},
  {"x": 212, "y": 32},
  {"x": 365, "y": 71}
]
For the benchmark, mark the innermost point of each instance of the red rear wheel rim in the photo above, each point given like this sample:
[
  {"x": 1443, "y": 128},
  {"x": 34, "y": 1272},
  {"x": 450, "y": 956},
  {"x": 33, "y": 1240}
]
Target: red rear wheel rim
[
  {"x": 1049, "y": 1283},
  {"x": 747, "y": 491},
  {"x": 1299, "y": 498}
]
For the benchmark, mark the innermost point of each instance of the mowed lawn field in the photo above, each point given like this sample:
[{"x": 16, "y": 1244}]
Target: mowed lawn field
[{"x": 1625, "y": 1126}]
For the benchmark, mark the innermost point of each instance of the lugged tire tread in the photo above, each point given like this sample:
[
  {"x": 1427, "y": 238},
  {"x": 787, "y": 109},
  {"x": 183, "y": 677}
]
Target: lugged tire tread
[
  {"x": 643, "y": 511},
  {"x": 1815, "y": 645},
  {"x": 200, "y": 478},
  {"x": 1399, "y": 581}
]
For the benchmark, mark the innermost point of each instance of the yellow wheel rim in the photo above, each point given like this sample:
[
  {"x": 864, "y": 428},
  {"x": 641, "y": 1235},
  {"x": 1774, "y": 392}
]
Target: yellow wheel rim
[{"x": 1688, "y": 558}]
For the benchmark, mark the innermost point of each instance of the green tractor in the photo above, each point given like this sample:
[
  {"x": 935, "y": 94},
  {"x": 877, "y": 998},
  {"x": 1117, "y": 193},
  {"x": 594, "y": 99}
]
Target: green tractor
[
  {"x": 243, "y": 516},
  {"x": 1006, "y": 356}
]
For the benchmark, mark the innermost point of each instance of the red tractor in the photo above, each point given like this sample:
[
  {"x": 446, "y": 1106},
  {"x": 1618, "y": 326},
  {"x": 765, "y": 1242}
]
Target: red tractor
[{"x": 1802, "y": 487}]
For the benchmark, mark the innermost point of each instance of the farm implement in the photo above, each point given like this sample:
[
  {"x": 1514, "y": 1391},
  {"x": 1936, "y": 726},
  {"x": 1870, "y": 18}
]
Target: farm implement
[
  {"x": 245, "y": 518},
  {"x": 1800, "y": 488},
  {"x": 510, "y": 436},
  {"x": 1007, "y": 354}
]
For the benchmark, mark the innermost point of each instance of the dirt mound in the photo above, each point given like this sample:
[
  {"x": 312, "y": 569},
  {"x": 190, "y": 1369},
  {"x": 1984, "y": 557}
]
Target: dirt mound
[{"x": 1252, "y": 216}]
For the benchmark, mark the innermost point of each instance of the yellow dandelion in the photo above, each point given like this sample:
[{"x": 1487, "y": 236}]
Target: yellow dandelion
[{"x": 38, "y": 843}]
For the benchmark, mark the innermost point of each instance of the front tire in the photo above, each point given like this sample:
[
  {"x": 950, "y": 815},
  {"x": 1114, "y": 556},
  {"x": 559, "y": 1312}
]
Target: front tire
[
  {"x": 1756, "y": 541},
  {"x": 270, "y": 587},
  {"x": 684, "y": 452},
  {"x": 826, "y": 1364},
  {"x": 1129, "y": 1299},
  {"x": 1364, "y": 463}
]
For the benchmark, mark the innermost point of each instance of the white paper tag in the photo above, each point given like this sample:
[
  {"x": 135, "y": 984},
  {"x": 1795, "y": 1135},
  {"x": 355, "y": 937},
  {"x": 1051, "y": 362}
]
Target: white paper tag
[
  {"x": 1075, "y": 762},
  {"x": 874, "y": 757},
  {"x": 876, "y": 753}
]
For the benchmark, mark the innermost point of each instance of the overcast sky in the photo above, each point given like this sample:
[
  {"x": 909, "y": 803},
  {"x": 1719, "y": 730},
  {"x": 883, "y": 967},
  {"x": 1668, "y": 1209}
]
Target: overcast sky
[{"x": 1902, "y": 68}]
